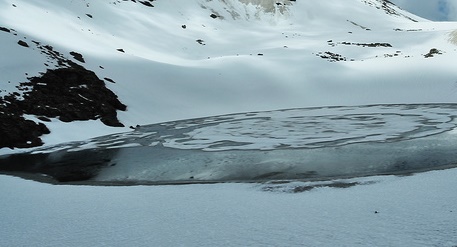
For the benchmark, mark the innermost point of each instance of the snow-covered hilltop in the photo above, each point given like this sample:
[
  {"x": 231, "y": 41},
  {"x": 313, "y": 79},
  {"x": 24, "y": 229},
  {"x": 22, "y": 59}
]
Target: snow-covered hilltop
[{"x": 169, "y": 60}]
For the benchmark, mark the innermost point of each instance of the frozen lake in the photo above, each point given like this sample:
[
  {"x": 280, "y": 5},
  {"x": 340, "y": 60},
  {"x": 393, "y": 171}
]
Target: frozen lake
[{"x": 294, "y": 144}]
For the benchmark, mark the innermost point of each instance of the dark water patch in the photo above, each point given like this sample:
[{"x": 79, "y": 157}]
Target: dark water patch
[{"x": 58, "y": 167}]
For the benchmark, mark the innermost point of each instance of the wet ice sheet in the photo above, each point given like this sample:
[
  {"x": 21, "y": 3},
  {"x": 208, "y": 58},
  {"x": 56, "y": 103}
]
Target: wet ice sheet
[{"x": 163, "y": 164}]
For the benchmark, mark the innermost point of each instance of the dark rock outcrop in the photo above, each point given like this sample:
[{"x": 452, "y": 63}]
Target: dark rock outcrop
[
  {"x": 77, "y": 56},
  {"x": 22, "y": 43},
  {"x": 433, "y": 52},
  {"x": 69, "y": 94},
  {"x": 17, "y": 132}
]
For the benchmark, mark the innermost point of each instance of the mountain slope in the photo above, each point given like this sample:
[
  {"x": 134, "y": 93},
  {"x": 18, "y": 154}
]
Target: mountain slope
[
  {"x": 169, "y": 60},
  {"x": 164, "y": 73}
]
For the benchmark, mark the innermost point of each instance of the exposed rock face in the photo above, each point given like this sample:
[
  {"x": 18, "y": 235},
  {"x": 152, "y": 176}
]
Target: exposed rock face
[
  {"x": 274, "y": 7},
  {"x": 269, "y": 5},
  {"x": 432, "y": 53},
  {"x": 72, "y": 94},
  {"x": 22, "y": 43},
  {"x": 69, "y": 94},
  {"x": 16, "y": 131}
]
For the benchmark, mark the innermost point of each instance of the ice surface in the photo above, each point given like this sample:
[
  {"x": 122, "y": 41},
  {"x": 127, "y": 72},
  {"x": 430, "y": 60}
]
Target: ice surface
[
  {"x": 305, "y": 144},
  {"x": 293, "y": 128}
]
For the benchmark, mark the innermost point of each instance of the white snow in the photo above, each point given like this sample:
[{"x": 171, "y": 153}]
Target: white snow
[
  {"x": 419, "y": 210},
  {"x": 165, "y": 75}
]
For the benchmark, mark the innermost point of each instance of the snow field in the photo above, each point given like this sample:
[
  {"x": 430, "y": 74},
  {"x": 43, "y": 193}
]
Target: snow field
[{"x": 418, "y": 210}]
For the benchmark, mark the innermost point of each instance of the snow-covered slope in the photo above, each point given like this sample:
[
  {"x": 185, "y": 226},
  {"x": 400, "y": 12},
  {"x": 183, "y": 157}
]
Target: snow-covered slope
[
  {"x": 168, "y": 60},
  {"x": 184, "y": 59}
]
